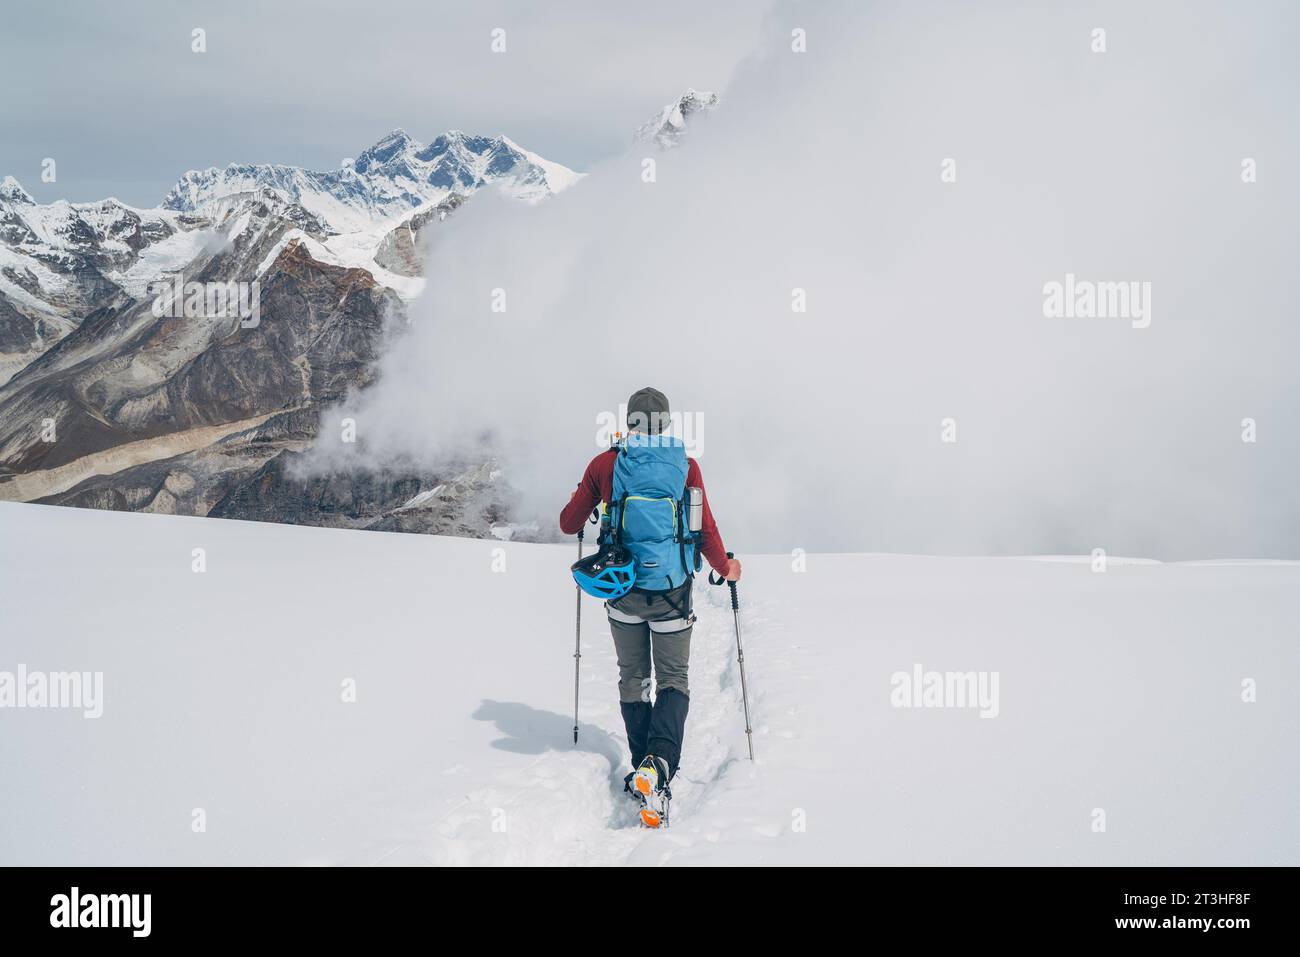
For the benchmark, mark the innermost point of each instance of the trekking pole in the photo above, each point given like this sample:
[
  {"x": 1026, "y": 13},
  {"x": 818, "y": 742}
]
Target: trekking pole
[
  {"x": 577, "y": 638},
  {"x": 740, "y": 654},
  {"x": 577, "y": 645}
]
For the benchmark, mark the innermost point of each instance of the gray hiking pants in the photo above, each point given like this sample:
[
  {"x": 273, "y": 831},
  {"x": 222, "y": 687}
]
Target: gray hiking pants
[{"x": 651, "y": 629}]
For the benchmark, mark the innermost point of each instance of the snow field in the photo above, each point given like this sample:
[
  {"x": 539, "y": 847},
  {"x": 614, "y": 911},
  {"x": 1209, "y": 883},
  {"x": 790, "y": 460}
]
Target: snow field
[{"x": 224, "y": 692}]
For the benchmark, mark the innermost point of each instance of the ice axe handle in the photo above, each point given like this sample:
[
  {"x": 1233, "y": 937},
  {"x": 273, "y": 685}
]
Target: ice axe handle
[{"x": 721, "y": 580}]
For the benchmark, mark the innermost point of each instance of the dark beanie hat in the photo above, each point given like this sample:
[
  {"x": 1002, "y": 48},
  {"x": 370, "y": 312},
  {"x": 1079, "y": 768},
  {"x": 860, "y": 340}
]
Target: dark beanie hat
[{"x": 647, "y": 411}]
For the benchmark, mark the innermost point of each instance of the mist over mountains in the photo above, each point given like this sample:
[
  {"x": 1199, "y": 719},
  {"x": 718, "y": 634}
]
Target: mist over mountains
[
  {"x": 838, "y": 268},
  {"x": 823, "y": 173},
  {"x": 108, "y": 402}
]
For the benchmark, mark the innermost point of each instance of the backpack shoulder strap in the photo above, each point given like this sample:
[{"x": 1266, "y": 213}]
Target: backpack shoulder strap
[{"x": 617, "y": 494}]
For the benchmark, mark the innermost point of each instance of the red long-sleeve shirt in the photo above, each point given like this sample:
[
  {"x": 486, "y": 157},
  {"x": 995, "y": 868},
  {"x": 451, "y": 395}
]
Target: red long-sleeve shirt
[{"x": 597, "y": 486}]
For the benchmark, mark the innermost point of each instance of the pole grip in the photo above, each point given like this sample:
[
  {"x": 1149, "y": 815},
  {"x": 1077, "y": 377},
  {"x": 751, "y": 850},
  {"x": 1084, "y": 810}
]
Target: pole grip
[
  {"x": 719, "y": 580},
  {"x": 735, "y": 602}
]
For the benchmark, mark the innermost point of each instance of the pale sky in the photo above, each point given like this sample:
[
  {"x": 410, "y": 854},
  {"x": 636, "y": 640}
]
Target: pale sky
[{"x": 114, "y": 94}]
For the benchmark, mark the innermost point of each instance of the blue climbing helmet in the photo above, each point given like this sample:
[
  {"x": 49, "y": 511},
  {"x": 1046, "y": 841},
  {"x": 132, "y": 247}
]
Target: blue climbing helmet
[{"x": 608, "y": 574}]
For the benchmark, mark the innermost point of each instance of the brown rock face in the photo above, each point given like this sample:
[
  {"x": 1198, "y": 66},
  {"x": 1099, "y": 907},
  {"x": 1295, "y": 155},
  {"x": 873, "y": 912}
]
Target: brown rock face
[{"x": 124, "y": 376}]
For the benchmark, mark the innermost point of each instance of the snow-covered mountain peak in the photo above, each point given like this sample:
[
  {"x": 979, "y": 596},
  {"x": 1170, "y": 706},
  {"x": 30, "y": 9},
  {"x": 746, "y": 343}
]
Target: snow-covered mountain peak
[
  {"x": 11, "y": 191},
  {"x": 237, "y": 210},
  {"x": 694, "y": 98},
  {"x": 666, "y": 129},
  {"x": 61, "y": 262},
  {"x": 397, "y": 145},
  {"x": 395, "y": 176},
  {"x": 397, "y": 136}
]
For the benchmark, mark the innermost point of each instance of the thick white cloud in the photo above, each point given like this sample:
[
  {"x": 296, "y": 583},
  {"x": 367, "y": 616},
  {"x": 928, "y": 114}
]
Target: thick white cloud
[{"x": 822, "y": 171}]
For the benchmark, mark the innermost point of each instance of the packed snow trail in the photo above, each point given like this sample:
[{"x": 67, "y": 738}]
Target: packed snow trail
[
  {"x": 566, "y": 805},
  {"x": 319, "y": 696}
]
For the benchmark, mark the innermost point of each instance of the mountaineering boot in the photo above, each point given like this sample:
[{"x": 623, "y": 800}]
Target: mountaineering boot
[
  {"x": 645, "y": 779},
  {"x": 650, "y": 783}
]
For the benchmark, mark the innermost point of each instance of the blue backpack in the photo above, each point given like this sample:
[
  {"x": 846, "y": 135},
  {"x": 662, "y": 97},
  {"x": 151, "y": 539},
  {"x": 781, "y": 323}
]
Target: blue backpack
[{"x": 647, "y": 513}]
